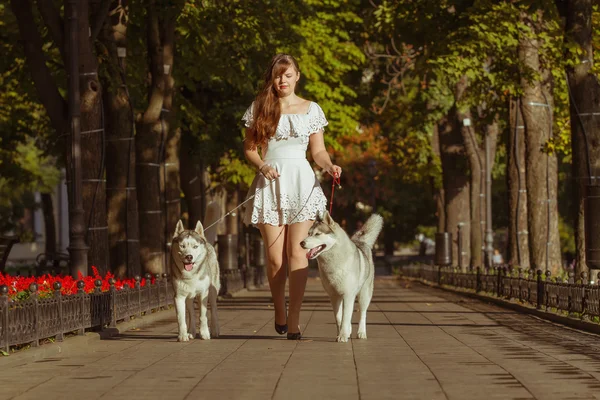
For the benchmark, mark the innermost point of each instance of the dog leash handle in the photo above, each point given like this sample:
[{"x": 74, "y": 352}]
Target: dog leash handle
[{"x": 335, "y": 181}]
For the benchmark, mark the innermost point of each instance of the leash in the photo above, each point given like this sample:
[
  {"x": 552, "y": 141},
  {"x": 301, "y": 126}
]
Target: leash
[
  {"x": 229, "y": 213},
  {"x": 336, "y": 181}
]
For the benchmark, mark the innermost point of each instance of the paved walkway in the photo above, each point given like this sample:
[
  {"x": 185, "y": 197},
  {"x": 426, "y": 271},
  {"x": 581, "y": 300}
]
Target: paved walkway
[{"x": 423, "y": 344}]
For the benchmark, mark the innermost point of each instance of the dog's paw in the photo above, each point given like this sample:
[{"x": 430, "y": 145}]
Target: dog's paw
[
  {"x": 204, "y": 334},
  {"x": 362, "y": 335},
  {"x": 214, "y": 332},
  {"x": 184, "y": 337},
  {"x": 342, "y": 339}
]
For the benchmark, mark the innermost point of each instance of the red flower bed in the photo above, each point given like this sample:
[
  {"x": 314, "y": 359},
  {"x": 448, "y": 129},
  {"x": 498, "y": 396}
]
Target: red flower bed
[{"x": 18, "y": 286}]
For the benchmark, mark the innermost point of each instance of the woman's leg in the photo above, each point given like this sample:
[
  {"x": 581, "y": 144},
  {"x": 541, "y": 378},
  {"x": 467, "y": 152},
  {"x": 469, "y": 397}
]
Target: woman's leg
[
  {"x": 298, "y": 264},
  {"x": 274, "y": 238}
]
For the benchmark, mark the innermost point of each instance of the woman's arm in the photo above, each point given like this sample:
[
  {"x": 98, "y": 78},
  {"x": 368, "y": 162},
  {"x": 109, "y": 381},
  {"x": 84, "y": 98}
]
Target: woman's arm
[
  {"x": 251, "y": 154},
  {"x": 320, "y": 155},
  {"x": 253, "y": 157}
]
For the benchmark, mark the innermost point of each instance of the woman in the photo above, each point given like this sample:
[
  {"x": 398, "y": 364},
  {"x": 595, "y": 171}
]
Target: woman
[{"x": 287, "y": 194}]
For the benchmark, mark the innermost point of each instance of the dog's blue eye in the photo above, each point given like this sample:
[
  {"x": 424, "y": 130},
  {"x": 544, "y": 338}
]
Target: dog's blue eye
[{"x": 195, "y": 247}]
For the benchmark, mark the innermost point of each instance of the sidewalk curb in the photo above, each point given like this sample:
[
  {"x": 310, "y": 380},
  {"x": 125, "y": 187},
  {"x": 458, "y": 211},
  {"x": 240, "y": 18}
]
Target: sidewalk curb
[
  {"x": 573, "y": 323},
  {"x": 79, "y": 343}
]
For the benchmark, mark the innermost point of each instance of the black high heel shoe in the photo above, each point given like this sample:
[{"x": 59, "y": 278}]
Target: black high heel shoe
[
  {"x": 281, "y": 329},
  {"x": 294, "y": 335}
]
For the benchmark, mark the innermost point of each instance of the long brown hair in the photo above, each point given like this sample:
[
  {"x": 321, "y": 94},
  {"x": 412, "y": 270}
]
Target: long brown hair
[{"x": 267, "y": 110}]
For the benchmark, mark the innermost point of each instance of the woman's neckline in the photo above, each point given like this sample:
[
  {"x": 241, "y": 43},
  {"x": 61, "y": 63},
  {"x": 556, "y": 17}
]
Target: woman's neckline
[{"x": 306, "y": 113}]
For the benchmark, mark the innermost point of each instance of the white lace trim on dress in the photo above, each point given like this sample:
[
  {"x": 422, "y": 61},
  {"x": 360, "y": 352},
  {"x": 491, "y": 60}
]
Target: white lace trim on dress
[
  {"x": 295, "y": 125},
  {"x": 293, "y": 210}
]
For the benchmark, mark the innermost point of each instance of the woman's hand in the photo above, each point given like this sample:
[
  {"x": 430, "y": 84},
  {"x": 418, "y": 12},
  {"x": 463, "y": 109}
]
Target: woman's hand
[
  {"x": 269, "y": 172},
  {"x": 335, "y": 171}
]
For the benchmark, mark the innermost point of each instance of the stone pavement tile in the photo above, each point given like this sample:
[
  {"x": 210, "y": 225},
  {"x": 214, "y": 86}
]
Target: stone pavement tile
[
  {"x": 387, "y": 367},
  {"x": 548, "y": 359},
  {"x": 319, "y": 370},
  {"x": 174, "y": 376},
  {"x": 542, "y": 352},
  {"x": 253, "y": 369},
  {"x": 13, "y": 386},
  {"x": 41, "y": 372},
  {"x": 89, "y": 385},
  {"x": 422, "y": 343},
  {"x": 52, "y": 375},
  {"x": 461, "y": 372},
  {"x": 537, "y": 371}
]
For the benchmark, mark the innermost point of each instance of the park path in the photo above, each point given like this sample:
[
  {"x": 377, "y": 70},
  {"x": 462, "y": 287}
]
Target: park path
[{"x": 423, "y": 343}]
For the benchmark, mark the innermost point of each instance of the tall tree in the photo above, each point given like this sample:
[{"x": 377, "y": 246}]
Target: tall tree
[
  {"x": 537, "y": 103},
  {"x": 93, "y": 137},
  {"x": 121, "y": 194},
  {"x": 518, "y": 246},
  {"x": 455, "y": 172},
  {"x": 476, "y": 174},
  {"x": 153, "y": 128},
  {"x": 48, "y": 89},
  {"x": 584, "y": 91}
]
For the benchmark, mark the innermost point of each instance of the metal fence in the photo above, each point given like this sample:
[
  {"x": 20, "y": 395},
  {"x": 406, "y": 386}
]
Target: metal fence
[
  {"x": 536, "y": 288},
  {"x": 29, "y": 321}
]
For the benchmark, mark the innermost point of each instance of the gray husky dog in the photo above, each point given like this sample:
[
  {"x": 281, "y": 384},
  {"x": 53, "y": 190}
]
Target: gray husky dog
[
  {"x": 195, "y": 273},
  {"x": 346, "y": 268}
]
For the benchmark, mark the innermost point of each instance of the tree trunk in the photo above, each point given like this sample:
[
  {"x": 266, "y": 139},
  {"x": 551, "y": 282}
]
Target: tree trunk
[
  {"x": 152, "y": 133},
  {"x": 120, "y": 150},
  {"x": 92, "y": 148},
  {"x": 585, "y": 103},
  {"x": 541, "y": 167},
  {"x": 476, "y": 169},
  {"x": 49, "y": 223},
  {"x": 456, "y": 184},
  {"x": 491, "y": 131},
  {"x": 92, "y": 133},
  {"x": 438, "y": 190},
  {"x": 171, "y": 186},
  {"x": 191, "y": 185},
  {"x": 518, "y": 247}
]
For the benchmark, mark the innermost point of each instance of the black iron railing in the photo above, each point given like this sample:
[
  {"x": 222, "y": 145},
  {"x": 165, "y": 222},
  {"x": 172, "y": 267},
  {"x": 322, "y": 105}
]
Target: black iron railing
[
  {"x": 576, "y": 298},
  {"x": 29, "y": 321}
]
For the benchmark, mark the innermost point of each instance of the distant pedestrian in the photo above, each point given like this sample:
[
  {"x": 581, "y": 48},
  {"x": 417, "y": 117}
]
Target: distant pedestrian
[{"x": 497, "y": 258}]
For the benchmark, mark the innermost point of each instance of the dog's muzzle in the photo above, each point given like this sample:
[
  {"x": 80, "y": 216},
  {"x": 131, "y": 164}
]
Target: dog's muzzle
[
  {"x": 188, "y": 265},
  {"x": 315, "y": 251}
]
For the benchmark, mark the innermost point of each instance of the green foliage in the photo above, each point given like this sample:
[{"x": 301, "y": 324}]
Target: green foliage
[
  {"x": 234, "y": 170},
  {"x": 476, "y": 41},
  {"x": 328, "y": 53},
  {"x": 566, "y": 235},
  {"x": 223, "y": 50},
  {"x": 417, "y": 52},
  {"x": 27, "y": 143}
]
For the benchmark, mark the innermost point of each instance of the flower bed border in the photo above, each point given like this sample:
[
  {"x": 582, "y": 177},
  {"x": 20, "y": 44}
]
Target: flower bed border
[{"x": 53, "y": 312}]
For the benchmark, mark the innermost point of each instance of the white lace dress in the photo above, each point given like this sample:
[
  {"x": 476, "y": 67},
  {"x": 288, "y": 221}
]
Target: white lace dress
[{"x": 296, "y": 195}]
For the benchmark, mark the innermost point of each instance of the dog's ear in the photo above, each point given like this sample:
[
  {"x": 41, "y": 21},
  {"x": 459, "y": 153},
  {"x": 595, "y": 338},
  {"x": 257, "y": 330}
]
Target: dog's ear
[
  {"x": 199, "y": 229},
  {"x": 327, "y": 218},
  {"x": 178, "y": 229},
  {"x": 319, "y": 216}
]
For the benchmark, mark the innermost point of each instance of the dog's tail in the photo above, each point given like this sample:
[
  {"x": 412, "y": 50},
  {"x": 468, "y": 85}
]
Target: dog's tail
[{"x": 370, "y": 230}]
